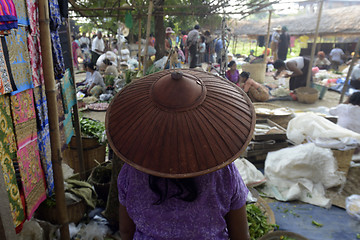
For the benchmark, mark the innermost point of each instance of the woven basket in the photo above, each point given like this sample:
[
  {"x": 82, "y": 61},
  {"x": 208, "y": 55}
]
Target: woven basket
[
  {"x": 75, "y": 212},
  {"x": 281, "y": 234},
  {"x": 307, "y": 95},
  {"x": 256, "y": 70},
  {"x": 343, "y": 159}
]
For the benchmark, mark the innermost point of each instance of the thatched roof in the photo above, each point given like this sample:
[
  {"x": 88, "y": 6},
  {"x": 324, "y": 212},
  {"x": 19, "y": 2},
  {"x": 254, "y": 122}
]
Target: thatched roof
[{"x": 341, "y": 21}]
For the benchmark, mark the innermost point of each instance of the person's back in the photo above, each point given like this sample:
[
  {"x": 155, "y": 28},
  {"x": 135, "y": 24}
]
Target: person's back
[
  {"x": 218, "y": 193},
  {"x": 336, "y": 55}
]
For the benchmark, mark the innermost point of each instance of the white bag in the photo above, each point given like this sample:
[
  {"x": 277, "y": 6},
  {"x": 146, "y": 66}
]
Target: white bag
[
  {"x": 353, "y": 206},
  {"x": 251, "y": 176}
]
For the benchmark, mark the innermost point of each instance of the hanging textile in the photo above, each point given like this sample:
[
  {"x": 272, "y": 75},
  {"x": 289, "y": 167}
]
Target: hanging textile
[
  {"x": 21, "y": 12},
  {"x": 43, "y": 134},
  {"x": 7, "y": 84},
  {"x": 32, "y": 175},
  {"x": 61, "y": 115},
  {"x": 68, "y": 127},
  {"x": 8, "y": 16},
  {"x": 36, "y": 60},
  {"x": 33, "y": 13},
  {"x": 68, "y": 91},
  {"x": 128, "y": 20},
  {"x": 55, "y": 22},
  {"x": 19, "y": 59},
  {"x": 8, "y": 153}
]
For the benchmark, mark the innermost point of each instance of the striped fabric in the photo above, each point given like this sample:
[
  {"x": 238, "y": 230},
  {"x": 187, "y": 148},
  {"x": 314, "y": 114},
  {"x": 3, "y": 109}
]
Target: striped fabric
[{"x": 8, "y": 16}]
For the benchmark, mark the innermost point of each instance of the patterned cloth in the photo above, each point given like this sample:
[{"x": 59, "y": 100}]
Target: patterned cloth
[
  {"x": 68, "y": 91},
  {"x": 8, "y": 152},
  {"x": 19, "y": 59},
  {"x": 68, "y": 127},
  {"x": 36, "y": 59},
  {"x": 61, "y": 115},
  {"x": 21, "y": 11},
  {"x": 33, "y": 13},
  {"x": 7, "y": 84},
  {"x": 8, "y": 16},
  {"x": 43, "y": 134},
  {"x": 32, "y": 175}
]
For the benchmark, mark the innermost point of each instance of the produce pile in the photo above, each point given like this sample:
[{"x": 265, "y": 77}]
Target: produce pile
[
  {"x": 92, "y": 128},
  {"x": 258, "y": 225}
]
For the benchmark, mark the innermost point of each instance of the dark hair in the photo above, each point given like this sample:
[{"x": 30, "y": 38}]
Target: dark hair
[
  {"x": 355, "y": 98},
  {"x": 151, "y": 35},
  {"x": 203, "y": 38},
  {"x": 183, "y": 32},
  {"x": 207, "y": 33},
  {"x": 231, "y": 63},
  {"x": 245, "y": 75},
  {"x": 279, "y": 63},
  {"x": 197, "y": 26},
  {"x": 91, "y": 65},
  {"x": 186, "y": 188}
]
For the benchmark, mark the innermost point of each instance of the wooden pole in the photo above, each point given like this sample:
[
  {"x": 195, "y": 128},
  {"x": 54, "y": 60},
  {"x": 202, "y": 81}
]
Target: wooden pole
[
  {"x": 139, "y": 44},
  {"x": 313, "y": 48},
  {"x": 353, "y": 61},
  {"x": 7, "y": 229},
  {"x": 79, "y": 144},
  {"x": 148, "y": 25},
  {"x": 56, "y": 155},
  {"x": 267, "y": 37}
]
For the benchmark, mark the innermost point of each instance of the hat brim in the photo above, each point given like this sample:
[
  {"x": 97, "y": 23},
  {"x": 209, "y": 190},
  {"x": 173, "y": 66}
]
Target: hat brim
[{"x": 180, "y": 143}]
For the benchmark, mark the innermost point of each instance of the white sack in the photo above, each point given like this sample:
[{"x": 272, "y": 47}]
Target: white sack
[
  {"x": 251, "y": 176},
  {"x": 302, "y": 173},
  {"x": 108, "y": 55},
  {"x": 314, "y": 126}
]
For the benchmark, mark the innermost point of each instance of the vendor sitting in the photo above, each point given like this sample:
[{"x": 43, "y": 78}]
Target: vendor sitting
[
  {"x": 96, "y": 85},
  {"x": 355, "y": 77},
  {"x": 232, "y": 74},
  {"x": 256, "y": 91},
  {"x": 321, "y": 61}
]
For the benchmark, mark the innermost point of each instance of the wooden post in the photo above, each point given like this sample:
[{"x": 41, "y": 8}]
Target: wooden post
[
  {"x": 7, "y": 229},
  {"x": 56, "y": 155},
  {"x": 353, "y": 61},
  {"x": 139, "y": 43},
  {"x": 267, "y": 37},
  {"x": 76, "y": 114},
  {"x": 148, "y": 25},
  {"x": 313, "y": 48}
]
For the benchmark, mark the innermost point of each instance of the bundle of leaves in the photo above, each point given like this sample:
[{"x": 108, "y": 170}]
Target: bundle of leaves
[
  {"x": 92, "y": 128},
  {"x": 258, "y": 225}
]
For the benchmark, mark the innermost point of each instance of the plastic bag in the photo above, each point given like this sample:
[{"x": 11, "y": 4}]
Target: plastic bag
[
  {"x": 249, "y": 173},
  {"x": 353, "y": 206}
]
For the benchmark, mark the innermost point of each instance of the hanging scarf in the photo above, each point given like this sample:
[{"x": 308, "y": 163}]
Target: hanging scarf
[
  {"x": 21, "y": 12},
  {"x": 8, "y": 16},
  {"x": 32, "y": 175},
  {"x": 7, "y": 84},
  {"x": 8, "y": 153}
]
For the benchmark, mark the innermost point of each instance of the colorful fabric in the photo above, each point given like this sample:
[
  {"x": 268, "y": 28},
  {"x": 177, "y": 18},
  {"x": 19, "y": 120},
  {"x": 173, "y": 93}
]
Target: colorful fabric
[
  {"x": 61, "y": 115},
  {"x": 8, "y": 152},
  {"x": 8, "y": 16},
  {"x": 68, "y": 91},
  {"x": 19, "y": 59},
  {"x": 43, "y": 134},
  {"x": 54, "y": 14},
  {"x": 6, "y": 80},
  {"x": 32, "y": 175},
  {"x": 21, "y": 12},
  {"x": 33, "y": 13},
  {"x": 68, "y": 127},
  {"x": 58, "y": 59},
  {"x": 35, "y": 60}
]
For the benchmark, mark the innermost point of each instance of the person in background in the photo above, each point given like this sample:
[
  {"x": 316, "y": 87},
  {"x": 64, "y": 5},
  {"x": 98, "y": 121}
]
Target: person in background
[
  {"x": 274, "y": 45},
  {"x": 210, "y": 47},
  {"x": 97, "y": 47},
  {"x": 180, "y": 53},
  {"x": 202, "y": 49},
  {"x": 152, "y": 40},
  {"x": 299, "y": 66},
  {"x": 251, "y": 56},
  {"x": 84, "y": 40},
  {"x": 256, "y": 91},
  {"x": 96, "y": 85},
  {"x": 232, "y": 74},
  {"x": 355, "y": 77},
  {"x": 75, "y": 48},
  {"x": 337, "y": 57},
  {"x": 284, "y": 43},
  {"x": 349, "y": 113},
  {"x": 321, "y": 61},
  {"x": 192, "y": 44},
  {"x": 219, "y": 45},
  {"x": 168, "y": 40}
]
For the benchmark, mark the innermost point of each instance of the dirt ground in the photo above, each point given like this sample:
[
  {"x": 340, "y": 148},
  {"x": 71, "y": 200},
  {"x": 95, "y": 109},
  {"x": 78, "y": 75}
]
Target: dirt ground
[{"x": 330, "y": 99}]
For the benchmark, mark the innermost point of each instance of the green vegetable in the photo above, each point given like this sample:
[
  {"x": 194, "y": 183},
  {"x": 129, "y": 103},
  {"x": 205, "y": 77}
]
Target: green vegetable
[
  {"x": 358, "y": 236},
  {"x": 316, "y": 223},
  {"x": 258, "y": 225},
  {"x": 92, "y": 128}
]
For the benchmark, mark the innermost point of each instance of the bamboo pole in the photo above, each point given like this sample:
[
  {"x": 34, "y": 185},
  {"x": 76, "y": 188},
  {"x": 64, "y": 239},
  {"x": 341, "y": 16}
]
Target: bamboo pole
[
  {"x": 139, "y": 44},
  {"x": 313, "y": 48},
  {"x": 56, "y": 155},
  {"x": 7, "y": 229},
  {"x": 79, "y": 144},
  {"x": 267, "y": 37},
  {"x": 148, "y": 25},
  {"x": 353, "y": 61}
]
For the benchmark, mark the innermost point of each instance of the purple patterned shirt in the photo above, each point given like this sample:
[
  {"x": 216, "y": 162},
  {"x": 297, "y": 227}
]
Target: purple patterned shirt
[{"x": 219, "y": 192}]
